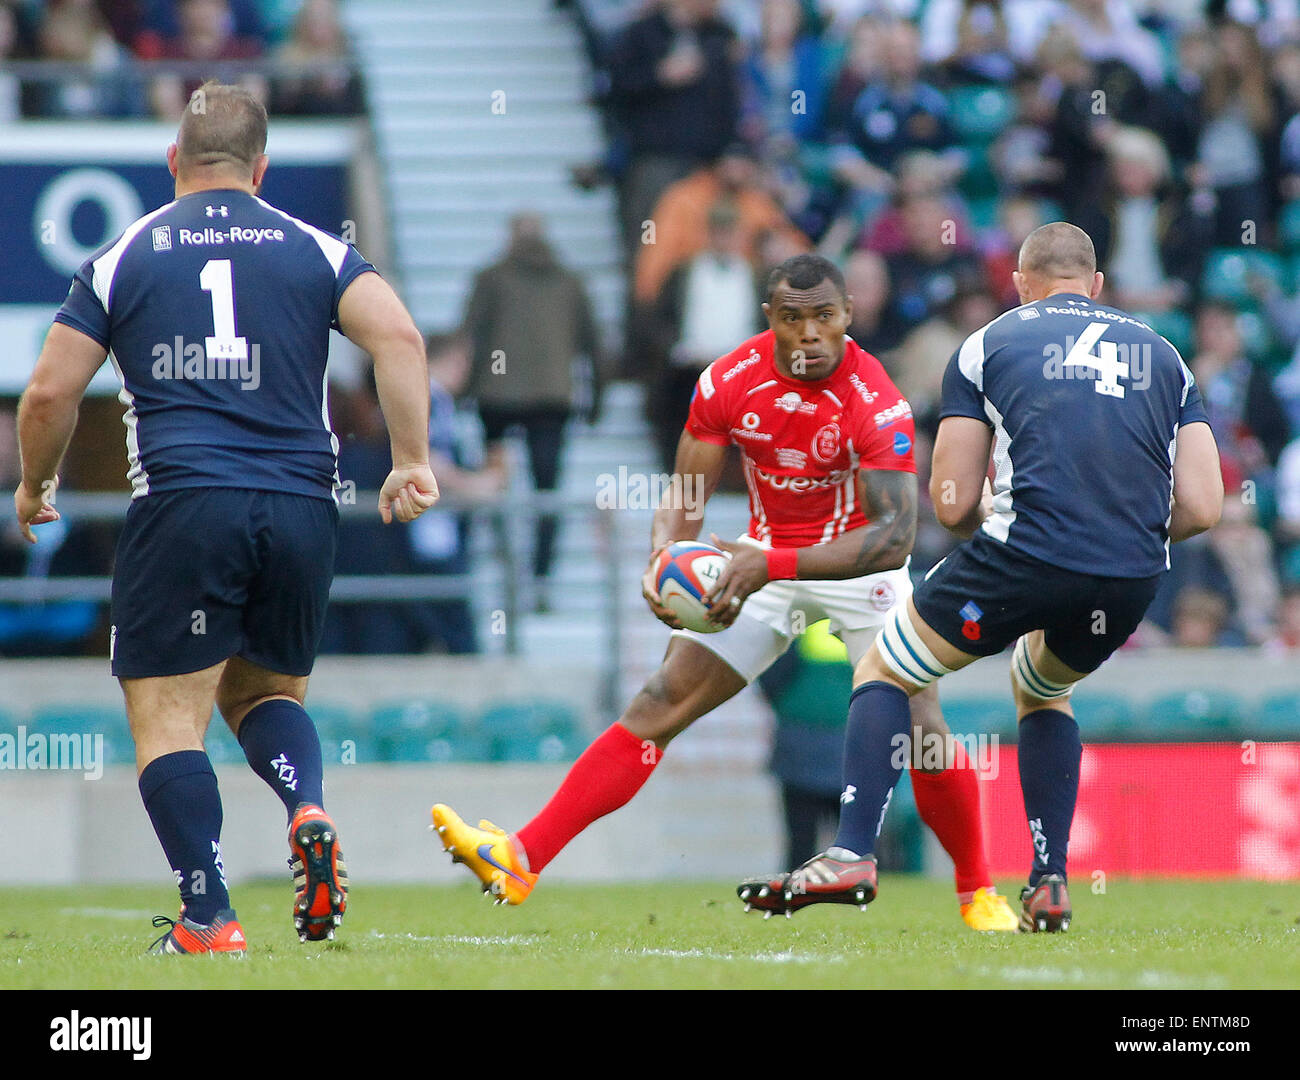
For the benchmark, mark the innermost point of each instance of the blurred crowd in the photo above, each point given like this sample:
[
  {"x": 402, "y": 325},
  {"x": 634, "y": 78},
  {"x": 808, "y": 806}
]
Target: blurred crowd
[
  {"x": 142, "y": 58},
  {"x": 917, "y": 142}
]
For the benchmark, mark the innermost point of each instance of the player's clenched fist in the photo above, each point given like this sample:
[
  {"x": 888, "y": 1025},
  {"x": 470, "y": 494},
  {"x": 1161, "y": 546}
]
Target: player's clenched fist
[{"x": 407, "y": 493}]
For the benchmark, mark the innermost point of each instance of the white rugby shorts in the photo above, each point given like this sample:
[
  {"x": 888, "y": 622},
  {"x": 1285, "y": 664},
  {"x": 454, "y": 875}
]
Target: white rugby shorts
[{"x": 780, "y": 611}]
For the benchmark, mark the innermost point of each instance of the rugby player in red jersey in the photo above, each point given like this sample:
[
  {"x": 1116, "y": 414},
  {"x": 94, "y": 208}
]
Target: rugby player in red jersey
[{"x": 826, "y": 442}]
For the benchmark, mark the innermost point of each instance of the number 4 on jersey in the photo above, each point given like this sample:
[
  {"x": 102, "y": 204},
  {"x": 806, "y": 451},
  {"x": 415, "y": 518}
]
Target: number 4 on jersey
[{"x": 1106, "y": 360}]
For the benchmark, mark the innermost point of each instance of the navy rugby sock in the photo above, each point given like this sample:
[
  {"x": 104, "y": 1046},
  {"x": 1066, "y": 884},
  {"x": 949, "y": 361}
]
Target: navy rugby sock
[
  {"x": 180, "y": 794},
  {"x": 283, "y": 748},
  {"x": 880, "y": 722},
  {"x": 1049, "y": 753}
]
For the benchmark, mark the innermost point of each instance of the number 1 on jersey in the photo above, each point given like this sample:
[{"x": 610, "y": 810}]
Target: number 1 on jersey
[{"x": 225, "y": 344}]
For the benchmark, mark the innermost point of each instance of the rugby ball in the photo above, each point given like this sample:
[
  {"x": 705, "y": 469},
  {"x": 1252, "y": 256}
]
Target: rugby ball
[{"x": 684, "y": 573}]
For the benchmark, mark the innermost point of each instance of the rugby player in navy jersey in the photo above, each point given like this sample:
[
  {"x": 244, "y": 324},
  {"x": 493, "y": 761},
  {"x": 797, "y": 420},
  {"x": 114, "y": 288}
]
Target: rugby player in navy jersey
[
  {"x": 216, "y": 311},
  {"x": 1103, "y": 456}
]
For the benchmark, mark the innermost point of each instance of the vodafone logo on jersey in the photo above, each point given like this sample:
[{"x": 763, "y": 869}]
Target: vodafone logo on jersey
[
  {"x": 748, "y": 428},
  {"x": 800, "y": 484},
  {"x": 826, "y": 443}
]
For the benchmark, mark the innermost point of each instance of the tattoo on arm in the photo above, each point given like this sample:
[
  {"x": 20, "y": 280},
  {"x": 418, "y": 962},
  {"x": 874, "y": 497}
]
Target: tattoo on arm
[{"x": 889, "y": 501}]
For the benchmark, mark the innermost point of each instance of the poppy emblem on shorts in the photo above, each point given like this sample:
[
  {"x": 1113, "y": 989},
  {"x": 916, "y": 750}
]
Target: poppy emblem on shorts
[{"x": 882, "y": 596}]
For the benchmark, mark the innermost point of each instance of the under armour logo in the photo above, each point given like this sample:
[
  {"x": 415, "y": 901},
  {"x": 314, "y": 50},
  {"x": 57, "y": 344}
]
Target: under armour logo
[
  {"x": 213, "y": 211},
  {"x": 848, "y": 794},
  {"x": 287, "y": 773}
]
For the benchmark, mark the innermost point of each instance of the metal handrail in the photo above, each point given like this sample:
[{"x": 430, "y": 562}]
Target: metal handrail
[{"x": 363, "y": 588}]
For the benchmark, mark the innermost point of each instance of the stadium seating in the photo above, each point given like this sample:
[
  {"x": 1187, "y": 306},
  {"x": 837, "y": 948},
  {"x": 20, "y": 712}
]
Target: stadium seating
[
  {"x": 980, "y": 113},
  {"x": 1198, "y": 716},
  {"x": 61, "y": 719},
  {"x": 532, "y": 731},
  {"x": 1277, "y": 719},
  {"x": 1228, "y": 272},
  {"x": 1105, "y": 718},
  {"x": 424, "y": 731},
  {"x": 980, "y": 716},
  {"x": 1289, "y": 226}
]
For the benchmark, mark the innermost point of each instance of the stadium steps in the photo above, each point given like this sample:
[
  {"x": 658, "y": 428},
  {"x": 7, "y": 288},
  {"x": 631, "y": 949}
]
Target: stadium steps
[
  {"x": 455, "y": 169},
  {"x": 454, "y": 172}
]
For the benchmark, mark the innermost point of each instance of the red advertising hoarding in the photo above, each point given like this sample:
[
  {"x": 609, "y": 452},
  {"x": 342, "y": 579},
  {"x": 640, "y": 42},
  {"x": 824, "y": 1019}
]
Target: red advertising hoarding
[{"x": 1161, "y": 809}]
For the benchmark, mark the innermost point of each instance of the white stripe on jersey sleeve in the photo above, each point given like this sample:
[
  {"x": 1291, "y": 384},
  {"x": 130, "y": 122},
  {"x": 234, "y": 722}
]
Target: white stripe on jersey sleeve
[
  {"x": 970, "y": 359},
  {"x": 334, "y": 250},
  {"x": 706, "y": 382},
  {"x": 105, "y": 267},
  {"x": 998, "y": 524}
]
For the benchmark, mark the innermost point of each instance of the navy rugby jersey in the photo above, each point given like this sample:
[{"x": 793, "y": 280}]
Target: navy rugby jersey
[
  {"x": 216, "y": 310},
  {"x": 1085, "y": 403}
]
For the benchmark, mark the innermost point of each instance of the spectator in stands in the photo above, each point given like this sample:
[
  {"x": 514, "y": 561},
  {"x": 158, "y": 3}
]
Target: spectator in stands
[
  {"x": 1020, "y": 156},
  {"x": 1238, "y": 125},
  {"x": 440, "y": 545},
  {"x": 1286, "y": 637},
  {"x": 918, "y": 174},
  {"x": 528, "y": 319},
  {"x": 866, "y": 278},
  {"x": 328, "y": 84},
  {"x": 74, "y": 32},
  {"x": 928, "y": 273},
  {"x": 10, "y": 87},
  {"x": 1152, "y": 242},
  {"x": 968, "y": 39},
  {"x": 861, "y": 64},
  {"x": 1200, "y": 620},
  {"x": 50, "y": 628},
  {"x": 1249, "y": 422},
  {"x": 784, "y": 80},
  {"x": 1110, "y": 35},
  {"x": 918, "y": 365},
  {"x": 709, "y": 303},
  {"x": 205, "y": 33},
  {"x": 681, "y": 218},
  {"x": 1080, "y": 125},
  {"x": 1245, "y": 551},
  {"x": 674, "y": 81},
  {"x": 365, "y": 544},
  {"x": 895, "y": 113},
  {"x": 1018, "y": 216}
]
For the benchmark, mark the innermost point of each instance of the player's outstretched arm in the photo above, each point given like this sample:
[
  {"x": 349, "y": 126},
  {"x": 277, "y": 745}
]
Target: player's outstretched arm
[
  {"x": 1198, "y": 483},
  {"x": 47, "y": 417},
  {"x": 696, "y": 473},
  {"x": 372, "y": 316},
  {"x": 958, "y": 473}
]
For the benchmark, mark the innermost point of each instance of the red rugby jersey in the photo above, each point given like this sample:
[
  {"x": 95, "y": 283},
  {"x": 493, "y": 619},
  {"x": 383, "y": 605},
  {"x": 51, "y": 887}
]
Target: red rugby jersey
[{"x": 803, "y": 442}]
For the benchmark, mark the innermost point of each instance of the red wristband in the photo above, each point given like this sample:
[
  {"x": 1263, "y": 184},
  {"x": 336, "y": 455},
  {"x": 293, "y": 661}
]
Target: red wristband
[{"x": 782, "y": 564}]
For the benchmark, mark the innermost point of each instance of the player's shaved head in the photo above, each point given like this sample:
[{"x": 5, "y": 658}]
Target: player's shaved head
[
  {"x": 1057, "y": 258},
  {"x": 1058, "y": 251},
  {"x": 223, "y": 128}
]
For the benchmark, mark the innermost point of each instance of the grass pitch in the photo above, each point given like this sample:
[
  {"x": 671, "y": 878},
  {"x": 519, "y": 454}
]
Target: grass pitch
[{"x": 1140, "y": 935}]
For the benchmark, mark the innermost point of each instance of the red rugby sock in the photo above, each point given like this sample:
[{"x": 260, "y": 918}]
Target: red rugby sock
[
  {"x": 610, "y": 771},
  {"x": 949, "y": 803}
]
